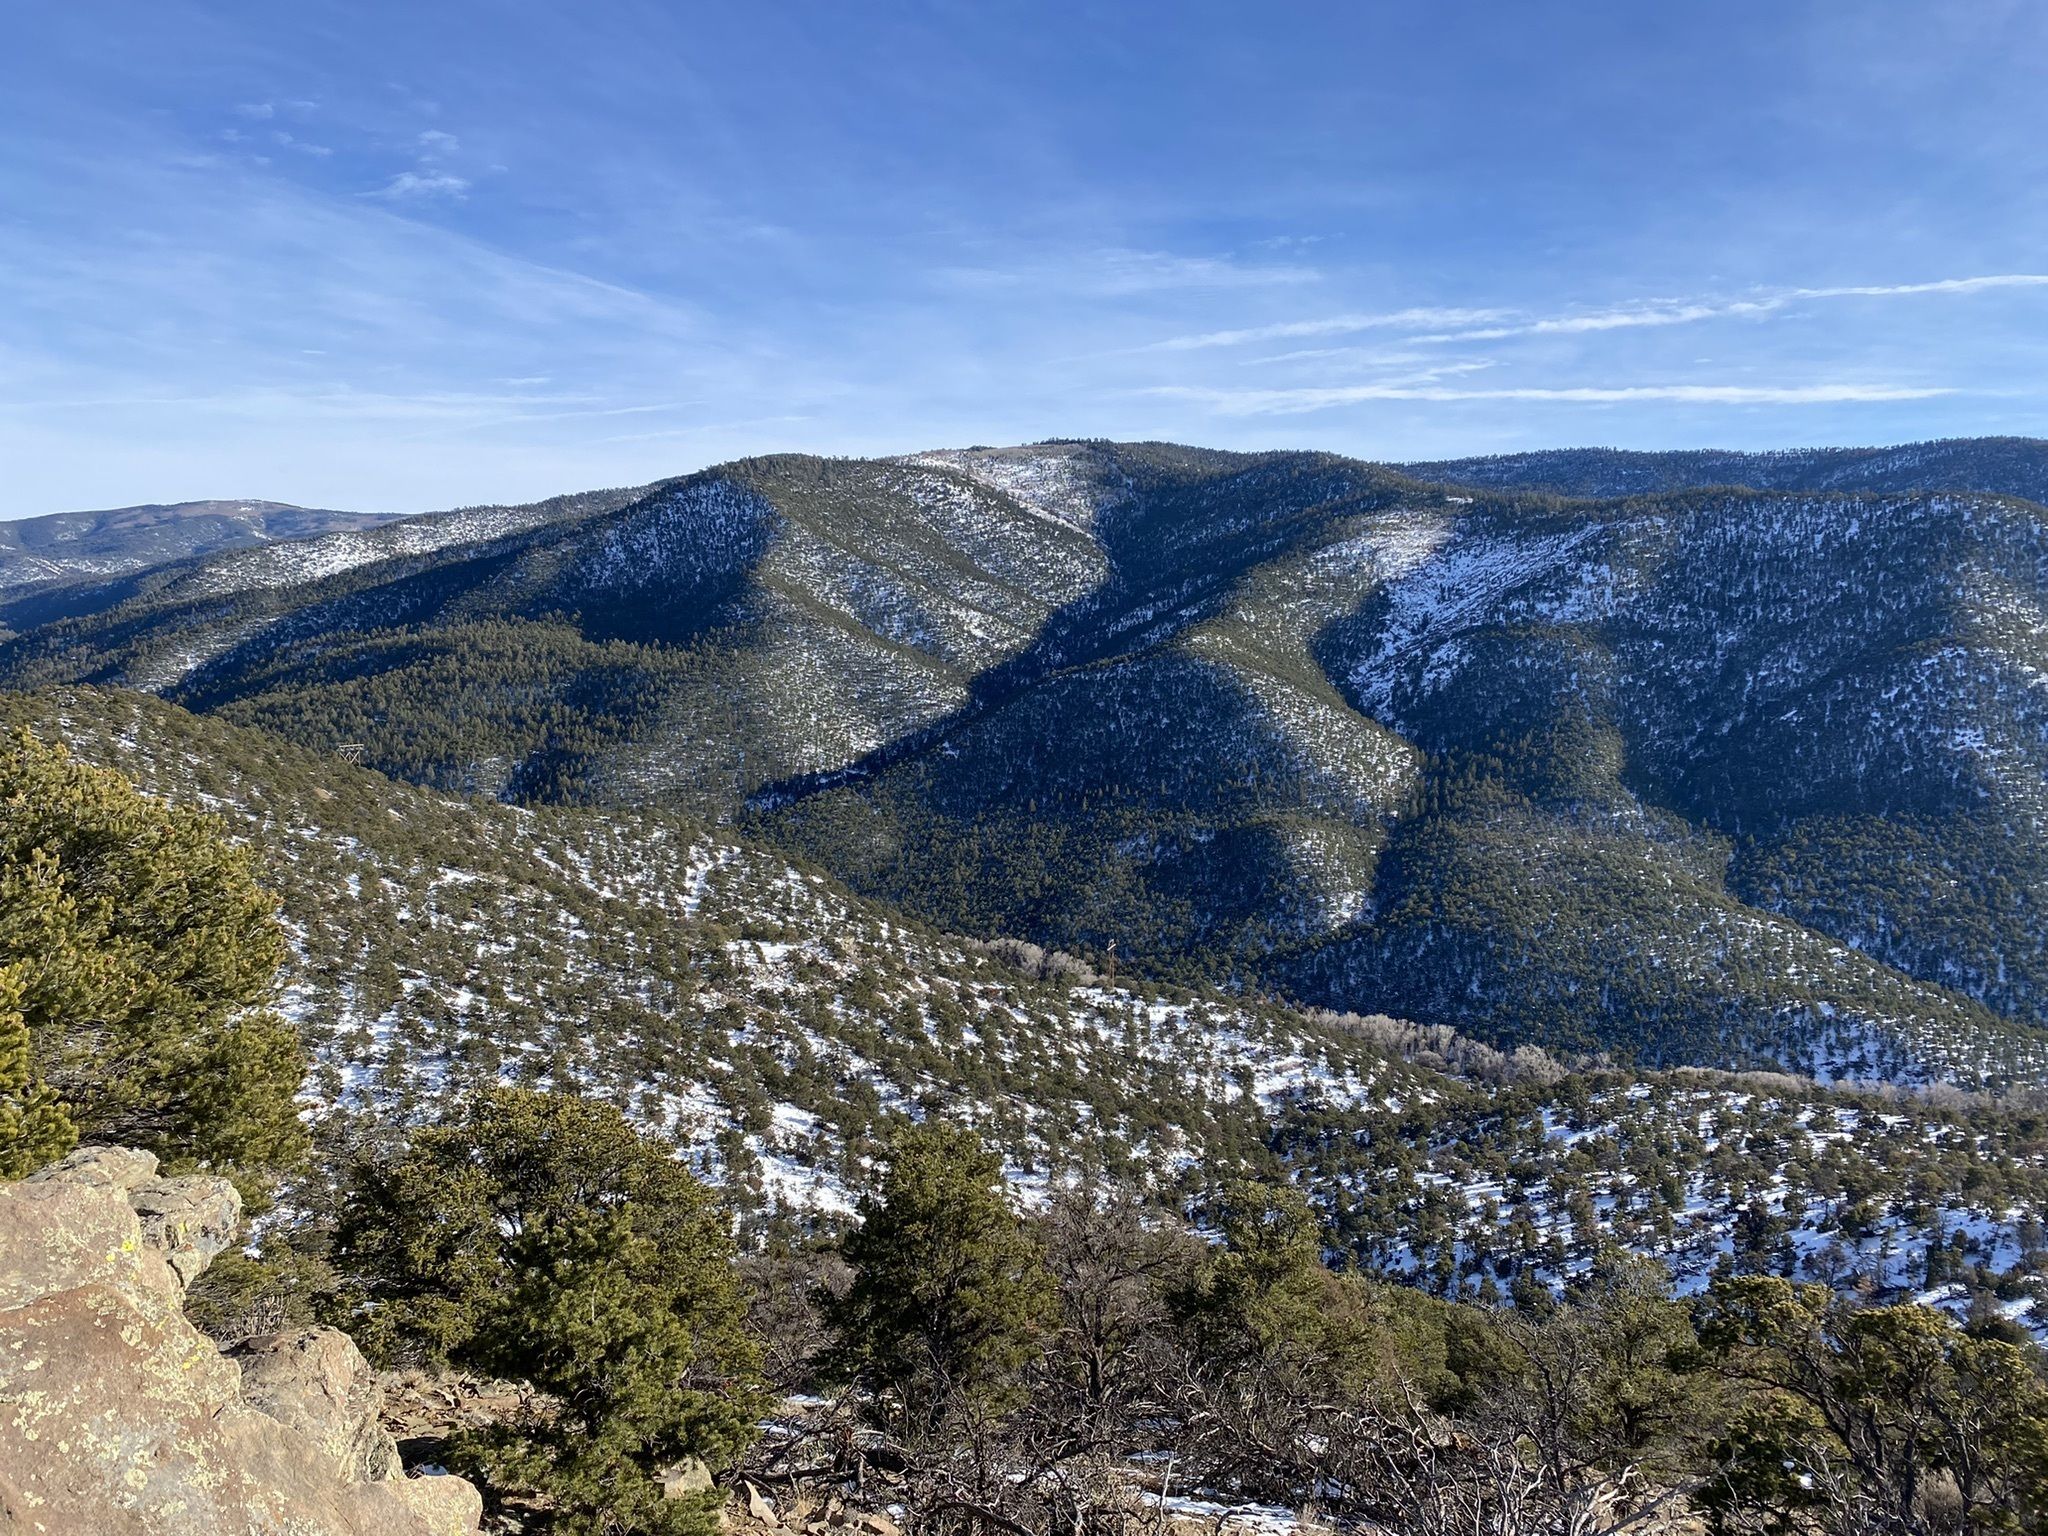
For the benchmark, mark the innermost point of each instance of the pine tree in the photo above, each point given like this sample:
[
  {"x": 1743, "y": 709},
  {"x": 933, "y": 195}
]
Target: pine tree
[
  {"x": 949, "y": 1288},
  {"x": 1861, "y": 1413},
  {"x": 538, "y": 1237},
  {"x": 1264, "y": 1288},
  {"x": 34, "y": 1129},
  {"x": 140, "y": 952}
]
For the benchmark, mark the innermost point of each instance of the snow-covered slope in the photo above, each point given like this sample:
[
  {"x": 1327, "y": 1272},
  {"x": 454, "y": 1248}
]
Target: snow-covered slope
[
  {"x": 88, "y": 546},
  {"x": 1739, "y": 778},
  {"x": 775, "y": 1026}
]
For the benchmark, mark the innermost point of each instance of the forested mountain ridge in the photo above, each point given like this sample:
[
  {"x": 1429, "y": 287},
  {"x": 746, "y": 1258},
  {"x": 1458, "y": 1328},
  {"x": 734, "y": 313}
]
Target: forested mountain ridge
[
  {"x": 288, "y": 562},
  {"x": 2006, "y": 466},
  {"x": 87, "y": 546},
  {"x": 1673, "y": 776}
]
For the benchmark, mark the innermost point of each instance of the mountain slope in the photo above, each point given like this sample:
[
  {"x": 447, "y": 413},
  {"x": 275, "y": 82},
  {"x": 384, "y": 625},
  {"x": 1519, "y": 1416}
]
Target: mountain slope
[
  {"x": 1778, "y": 673},
  {"x": 281, "y": 565},
  {"x": 757, "y": 1012},
  {"x": 681, "y": 639},
  {"x": 89, "y": 546},
  {"x": 2005, "y": 466},
  {"x": 775, "y": 1025},
  {"x": 1580, "y": 714},
  {"x": 1674, "y": 777}
]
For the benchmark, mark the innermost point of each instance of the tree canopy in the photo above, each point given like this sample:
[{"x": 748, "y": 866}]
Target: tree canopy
[
  {"x": 949, "y": 1286},
  {"x": 538, "y": 1237},
  {"x": 138, "y": 953}
]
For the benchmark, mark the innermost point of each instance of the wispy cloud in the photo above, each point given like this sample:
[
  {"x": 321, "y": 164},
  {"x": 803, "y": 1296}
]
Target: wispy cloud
[
  {"x": 1940, "y": 285},
  {"x": 1632, "y": 317},
  {"x": 423, "y": 184},
  {"x": 1457, "y": 325},
  {"x": 1121, "y": 273},
  {"x": 303, "y": 146},
  {"x": 430, "y": 176},
  {"x": 1329, "y": 325},
  {"x": 951, "y": 248},
  {"x": 1289, "y": 402}
]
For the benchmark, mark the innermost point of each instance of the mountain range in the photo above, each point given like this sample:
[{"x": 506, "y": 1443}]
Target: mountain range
[
  {"x": 1741, "y": 763},
  {"x": 2007, "y": 466},
  {"x": 88, "y": 546}
]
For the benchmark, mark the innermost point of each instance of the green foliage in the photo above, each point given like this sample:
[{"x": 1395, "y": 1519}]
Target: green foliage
[
  {"x": 1939, "y": 898},
  {"x": 1608, "y": 1376},
  {"x": 949, "y": 1292},
  {"x": 1265, "y": 1289},
  {"x": 34, "y": 1129},
  {"x": 1886, "y": 1418},
  {"x": 140, "y": 952},
  {"x": 241, "y": 1296},
  {"x": 644, "y": 959},
  {"x": 1259, "y": 1373},
  {"x": 540, "y": 1238}
]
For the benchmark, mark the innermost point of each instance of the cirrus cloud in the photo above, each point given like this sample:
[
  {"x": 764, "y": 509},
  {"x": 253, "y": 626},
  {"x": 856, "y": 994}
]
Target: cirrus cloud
[
  {"x": 1439, "y": 325},
  {"x": 1290, "y": 402}
]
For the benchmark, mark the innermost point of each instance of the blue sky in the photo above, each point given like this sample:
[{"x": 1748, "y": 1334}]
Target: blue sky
[{"x": 409, "y": 256}]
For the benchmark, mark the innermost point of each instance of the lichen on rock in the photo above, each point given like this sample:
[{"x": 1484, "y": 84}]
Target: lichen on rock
[{"x": 119, "y": 1418}]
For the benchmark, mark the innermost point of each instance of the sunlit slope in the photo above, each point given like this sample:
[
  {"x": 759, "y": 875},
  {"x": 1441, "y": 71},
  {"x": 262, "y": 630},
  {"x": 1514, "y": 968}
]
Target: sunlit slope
[{"x": 1701, "y": 776}]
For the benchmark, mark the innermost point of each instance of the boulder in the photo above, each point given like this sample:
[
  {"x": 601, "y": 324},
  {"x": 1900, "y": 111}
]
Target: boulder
[
  {"x": 55, "y": 1237},
  {"x": 119, "y": 1418},
  {"x": 449, "y": 1506},
  {"x": 316, "y": 1381},
  {"x": 117, "y": 1168},
  {"x": 684, "y": 1478},
  {"x": 188, "y": 1221}
]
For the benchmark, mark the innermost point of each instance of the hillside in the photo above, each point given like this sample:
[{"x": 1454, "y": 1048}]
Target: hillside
[
  {"x": 775, "y": 1026},
  {"x": 1672, "y": 777},
  {"x": 757, "y": 1012},
  {"x": 2005, "y": 466},
  {"x": 89, "y": 546},
  {"x": 290, "y": 561}
]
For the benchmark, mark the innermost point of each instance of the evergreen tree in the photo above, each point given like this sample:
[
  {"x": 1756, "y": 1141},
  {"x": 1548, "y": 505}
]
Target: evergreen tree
[
  {"x": 1602, "y": 1379},
  {"x": 1871, "y": 1418},
  {"x": 1266, "y": 1289},
  {"x": 139, "y": 952},
  {"x": 34, "y": 1129},
  {"x": 540, "y": 1238},
  {"x": 949, "y": 1289}
]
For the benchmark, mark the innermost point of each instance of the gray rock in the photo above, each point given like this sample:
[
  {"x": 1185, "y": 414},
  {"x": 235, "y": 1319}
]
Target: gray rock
[
  {"x": 56, "y": 1236},
  {"x": 685, "y": 1477},
  {"x": 122, "y": 1168},
  {"x": 759, "y": 1506},
  {"x": 450, "y": 1506}
]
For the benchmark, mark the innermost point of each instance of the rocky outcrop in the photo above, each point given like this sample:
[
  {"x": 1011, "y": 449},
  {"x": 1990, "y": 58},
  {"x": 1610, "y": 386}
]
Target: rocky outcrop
[
  {"x": 316, "y": 1381},
  {"x": 119, "y": 1418}
]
